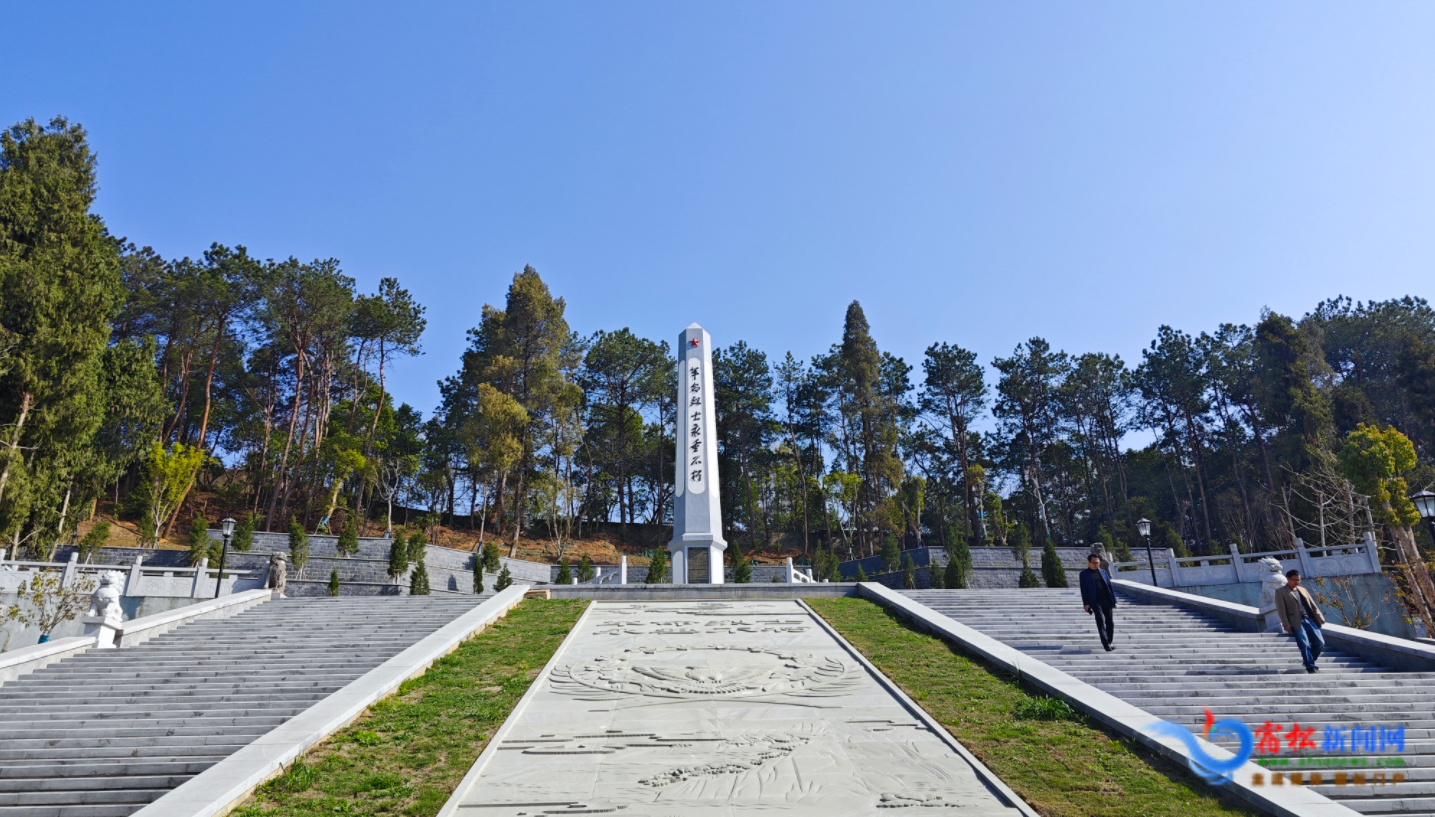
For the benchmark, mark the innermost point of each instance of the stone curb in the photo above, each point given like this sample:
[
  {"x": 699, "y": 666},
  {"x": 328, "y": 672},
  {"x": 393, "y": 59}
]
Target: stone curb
[
  {"x": 1109, "y": 711},
  {"x": 26, "y": 660},
  {"x": 140, "y": 630},
  {"x": 222, "y": 787},
  {"x": 451, "y": 806},
  {"x": 987, "y": 776},
  {"x": 1396, "y": 653}
]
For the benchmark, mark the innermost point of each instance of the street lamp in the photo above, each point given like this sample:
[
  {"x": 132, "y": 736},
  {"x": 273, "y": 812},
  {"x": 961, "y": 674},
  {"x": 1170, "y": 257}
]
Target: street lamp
[
  {"x": 1425, "y": 504},
  {"x": 226, "y": 529},
  {"x": 1143, "y": 527}
]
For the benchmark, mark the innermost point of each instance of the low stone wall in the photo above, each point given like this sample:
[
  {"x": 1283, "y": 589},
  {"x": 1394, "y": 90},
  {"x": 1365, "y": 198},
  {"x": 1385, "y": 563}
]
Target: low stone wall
[
  {"x": 13, "y": 636},
  {"x": 992, "y": 567},
  {"x": 1371, "y": 593}
]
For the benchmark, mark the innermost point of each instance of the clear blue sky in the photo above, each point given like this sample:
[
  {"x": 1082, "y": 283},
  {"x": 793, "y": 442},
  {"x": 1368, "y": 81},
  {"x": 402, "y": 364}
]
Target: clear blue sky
[{"x": 976, "y": 173}]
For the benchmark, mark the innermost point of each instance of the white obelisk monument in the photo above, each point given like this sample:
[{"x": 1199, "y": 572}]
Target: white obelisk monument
[{"x": 697, "y": 545}]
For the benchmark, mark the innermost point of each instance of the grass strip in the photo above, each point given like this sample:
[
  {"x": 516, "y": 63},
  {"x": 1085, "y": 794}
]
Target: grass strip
[
  {"x": 406, "y": 754},
  {"x": 1059, "y": 762}
]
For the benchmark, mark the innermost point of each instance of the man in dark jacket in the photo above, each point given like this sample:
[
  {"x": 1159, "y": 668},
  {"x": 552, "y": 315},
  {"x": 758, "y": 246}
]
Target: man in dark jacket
[
  {"x": 1301, "y": 618},
  {"x": 1098, "y": 597}
]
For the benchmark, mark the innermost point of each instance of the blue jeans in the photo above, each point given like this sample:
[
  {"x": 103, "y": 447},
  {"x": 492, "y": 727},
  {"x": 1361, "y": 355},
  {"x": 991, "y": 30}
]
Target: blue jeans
[{"x": 1310, "y": 640}]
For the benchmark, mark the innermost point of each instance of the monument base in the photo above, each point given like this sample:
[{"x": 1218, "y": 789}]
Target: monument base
[{"x": 697, "y": 562}]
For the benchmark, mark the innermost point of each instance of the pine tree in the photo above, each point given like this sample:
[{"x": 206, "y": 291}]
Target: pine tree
[
  {"x": 490, "y": 558},
  {"x": 200, "y": 545},
  {"x": 1028, "y": 578},
  {"x": 565, "y": 576},
  {"x": 419, "y": 580},
  {"x": 478, "y": 573},
  {"x": 505, "y": 580},
  {"x": 348, "y": 543},
  {"x": 861, "y": 574},
  {"x": 298, "y": 547},
  {"x": 585, "y": 570},
  {"x": 909, "y": 573},
  {"x": 1052, "y": 570},
  {"x": 741, "y": 566},
  {"x": 398, "y": 556},
  {"x": 658, "y": 567},
  {"x": 334, "y": 582}
]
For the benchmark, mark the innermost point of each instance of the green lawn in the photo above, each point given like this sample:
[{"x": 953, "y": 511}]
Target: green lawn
[
  {"x": 408, "y": 752},
  {"x": 1053, "y": 758}
]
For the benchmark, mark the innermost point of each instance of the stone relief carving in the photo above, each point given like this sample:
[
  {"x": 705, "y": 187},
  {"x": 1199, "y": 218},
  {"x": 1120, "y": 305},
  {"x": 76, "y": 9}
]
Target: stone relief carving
[
  {"x": 641, "y": 627},
  {"x": 738, "y": 754},
  {"x": 710, "y": 672}
]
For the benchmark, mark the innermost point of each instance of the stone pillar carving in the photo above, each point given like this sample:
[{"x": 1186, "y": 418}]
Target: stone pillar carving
[
  {"x": 622, "y": 570},
  {"x": 200, "y": 571},
  {"x": 132, "y": 584},
  {"x": 697, "y": 508},
  {"x": 278, "y": 573},
  {"x": 106, "y": 615}
]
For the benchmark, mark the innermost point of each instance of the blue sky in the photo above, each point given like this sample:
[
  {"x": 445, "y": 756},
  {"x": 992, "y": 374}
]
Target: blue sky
[{"x": 975, "y": 173}]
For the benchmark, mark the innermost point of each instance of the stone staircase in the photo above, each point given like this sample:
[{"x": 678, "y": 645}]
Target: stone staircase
[
  {"x": 103, "y": 733},
  {"x": 1175, "y": 663}
]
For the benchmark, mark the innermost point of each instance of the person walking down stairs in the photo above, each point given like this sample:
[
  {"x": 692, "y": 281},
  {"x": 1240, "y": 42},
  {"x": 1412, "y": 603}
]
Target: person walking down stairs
[
  {"x": 1301, "y": 618},
  {"x": 1098, "y": 598}
]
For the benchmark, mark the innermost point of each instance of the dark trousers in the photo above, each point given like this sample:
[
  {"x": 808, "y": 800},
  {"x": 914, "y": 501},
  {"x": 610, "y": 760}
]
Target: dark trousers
[
  {"x": 1310, "y": 640},
  {"x": 1104, "y": 623}
]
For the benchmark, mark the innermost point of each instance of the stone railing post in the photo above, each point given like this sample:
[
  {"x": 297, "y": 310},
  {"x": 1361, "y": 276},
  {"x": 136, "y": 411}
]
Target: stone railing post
[
  {"x": 1372, "y": 551},
  {"x": 1307, "y": 564},
  {"x": 623, "y": 570},
  {"x": 1236, "y": 562},
  {"x": 132, "y": 584},
  {"x": 199, "y": 571},
  {"x": 1172, "y": 568},
  {"x": 597, "y": 575},
  {"x": 790, "y": 578},
  {"x": 71, "y": 570}
]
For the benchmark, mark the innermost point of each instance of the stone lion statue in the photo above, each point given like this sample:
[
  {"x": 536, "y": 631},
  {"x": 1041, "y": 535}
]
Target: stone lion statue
[
  {"x": 105, "y": 602},
  {"x": 278, "y": 572},
  {"x": 1272, "y": 580}
]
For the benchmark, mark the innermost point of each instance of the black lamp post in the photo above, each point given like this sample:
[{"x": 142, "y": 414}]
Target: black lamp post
[
  {"x": 1425, "y": 505},
  {"x": 1143, "y": 527},
  {"x": 226, "y": 528}
]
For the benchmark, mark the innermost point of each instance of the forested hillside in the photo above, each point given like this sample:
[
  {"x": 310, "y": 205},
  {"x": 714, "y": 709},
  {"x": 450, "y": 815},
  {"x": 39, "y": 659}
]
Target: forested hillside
[{"x": 142, "y": 381}]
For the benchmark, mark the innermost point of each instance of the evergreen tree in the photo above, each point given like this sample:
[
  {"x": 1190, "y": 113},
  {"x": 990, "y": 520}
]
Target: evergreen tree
[
  {"x": 478, "y": 573},
  {"x": 200, "y": 545},
  {"x": 585, "y": 570},
  {"x": 1051, "y": 569},
  {"x": 490, "y": 558},
  {"x": 565, "y": 576},
  {"x": 334, "y": 582},
  {"x": 348, "y": 543},
  {"x": 419, "y": 580},
  {"x": 418, "y": 546},
  {"x": 861, "y": 574},
  {"x": 891, "y": 553},
  {"x": 955, "y": 577},
  {"x": 93, "y": 540},
  {"x": 505, "y": 580},
  {"x": 936, "y": 577},
  {"x": 741, "y": 566},
  {"x": 298, "y": 546},
  {"x": 1027, "y": 578},
  {"x": 243, "y": 538},
  {"x": 398, "y": 556},
  {"x": 658, "y": 567},
  {"x": 909, "y": 573}
]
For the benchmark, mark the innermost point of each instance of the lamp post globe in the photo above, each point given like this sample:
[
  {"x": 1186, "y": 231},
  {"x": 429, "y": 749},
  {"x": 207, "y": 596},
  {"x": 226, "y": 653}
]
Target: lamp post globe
[
  {"x": 226, "y": 530},
  {"x": 1424, "y": 503},
  {"x": 1143, "y": 527}
]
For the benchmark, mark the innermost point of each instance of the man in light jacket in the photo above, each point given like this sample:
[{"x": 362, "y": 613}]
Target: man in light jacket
[
  {"x": 1098, "y": 597},
  {"x": 1301, "y": 618}
]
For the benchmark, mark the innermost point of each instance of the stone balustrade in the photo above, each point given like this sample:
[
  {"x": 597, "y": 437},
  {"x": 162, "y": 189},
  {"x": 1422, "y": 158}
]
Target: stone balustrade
[
  {"x": 1236, "y": 568},
  {"x": 141, "y": 580}
]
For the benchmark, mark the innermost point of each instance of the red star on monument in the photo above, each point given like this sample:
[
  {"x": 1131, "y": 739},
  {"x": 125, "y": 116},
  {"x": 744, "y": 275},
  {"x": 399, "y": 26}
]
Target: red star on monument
[{"x": 693, "y": 342}]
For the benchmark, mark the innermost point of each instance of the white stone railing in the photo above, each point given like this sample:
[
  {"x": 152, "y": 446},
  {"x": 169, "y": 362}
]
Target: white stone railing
[
  {"x": 169, "y": 582},
  {"x": 1237, "y": 567}
]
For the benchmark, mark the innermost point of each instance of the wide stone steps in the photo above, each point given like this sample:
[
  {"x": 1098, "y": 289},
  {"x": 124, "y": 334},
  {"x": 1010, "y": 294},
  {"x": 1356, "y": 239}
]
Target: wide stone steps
[
  {"x": 1176, "y": 663},
  {"x": 104, "y": 733}
]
